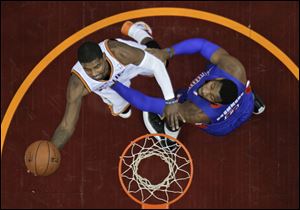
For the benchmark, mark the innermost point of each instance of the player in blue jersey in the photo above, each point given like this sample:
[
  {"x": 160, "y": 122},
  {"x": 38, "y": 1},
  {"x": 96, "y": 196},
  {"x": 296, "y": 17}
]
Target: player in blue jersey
[{"x": 218, "y": 100}]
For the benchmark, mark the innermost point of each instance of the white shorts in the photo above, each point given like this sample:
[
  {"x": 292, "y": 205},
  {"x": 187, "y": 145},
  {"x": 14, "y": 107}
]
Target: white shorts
[{"x": 115, "y": 102}]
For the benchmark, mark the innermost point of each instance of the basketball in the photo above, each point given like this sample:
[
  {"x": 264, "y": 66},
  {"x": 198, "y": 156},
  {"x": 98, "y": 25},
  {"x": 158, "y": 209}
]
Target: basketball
[{"x": 42, "y": 158}]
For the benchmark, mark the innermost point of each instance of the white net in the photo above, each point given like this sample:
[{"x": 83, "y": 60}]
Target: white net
[{"x": 172, "y": 185}]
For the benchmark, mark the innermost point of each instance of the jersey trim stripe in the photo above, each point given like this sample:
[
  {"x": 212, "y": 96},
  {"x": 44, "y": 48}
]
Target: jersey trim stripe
[
  {"x": 108, "y": 50},
  {"x": 116, "y": 114},
  {"x": 81, "y": 79}
]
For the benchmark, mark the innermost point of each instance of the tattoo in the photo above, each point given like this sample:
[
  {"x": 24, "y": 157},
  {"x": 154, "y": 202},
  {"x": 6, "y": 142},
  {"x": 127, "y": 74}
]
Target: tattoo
[
  {"x": 113, "y": 44},
  {"x": 125, "y": 53}
]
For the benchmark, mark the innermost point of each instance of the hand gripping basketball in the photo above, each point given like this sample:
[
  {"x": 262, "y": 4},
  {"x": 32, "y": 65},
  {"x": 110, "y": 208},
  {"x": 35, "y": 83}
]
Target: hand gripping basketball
[{"x": 42, "y": 158}]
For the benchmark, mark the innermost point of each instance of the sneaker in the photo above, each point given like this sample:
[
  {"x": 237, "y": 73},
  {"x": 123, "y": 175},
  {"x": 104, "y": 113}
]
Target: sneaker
[
  {"x": 170, "y": 132},
  {"x": 128, "y": 25},
  {"x": 155, "y": 124},
  {"x": 125, "y": 115},
  {"x": 138, "y": 31},
  {"x": 259, "y": 106}
]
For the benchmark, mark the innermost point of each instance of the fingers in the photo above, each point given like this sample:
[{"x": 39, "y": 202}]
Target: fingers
[
  {"x": 182, "y": 118},
  {"x": 176, "y": 121},
  {"x": 173, "y": 116},
  {"x": 173, "y": 121}
]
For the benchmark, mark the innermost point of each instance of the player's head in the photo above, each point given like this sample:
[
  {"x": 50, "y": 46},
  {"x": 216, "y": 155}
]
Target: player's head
[
  {"x": 93, "y": 60},
  {"x": 222, "y": 91}
]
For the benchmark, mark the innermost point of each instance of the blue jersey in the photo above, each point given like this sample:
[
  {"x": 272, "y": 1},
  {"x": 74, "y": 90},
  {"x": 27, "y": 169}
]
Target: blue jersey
[{"x": 223, "y": 118}]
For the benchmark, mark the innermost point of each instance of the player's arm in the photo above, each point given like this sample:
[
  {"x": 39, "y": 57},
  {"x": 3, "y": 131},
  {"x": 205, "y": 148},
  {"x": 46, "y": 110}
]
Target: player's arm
[
  {"x": 75, "y": 93},
  {"x": 140, "y": 100},
  {"x": 229, "y": 64},
  {"x": 212, "y": 52},
  {"x": 190, "y": 112},
  {"x": 187, "y": 47}
]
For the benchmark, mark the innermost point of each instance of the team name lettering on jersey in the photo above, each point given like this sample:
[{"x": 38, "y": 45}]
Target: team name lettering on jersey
[
  {"x": 231, "y": 109},
  {"x": 198, "y": 78}
]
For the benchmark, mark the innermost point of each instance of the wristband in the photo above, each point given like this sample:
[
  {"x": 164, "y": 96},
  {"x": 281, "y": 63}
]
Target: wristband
[
  {"x": 169, "y": 52},
  {"x": 171, "y": 101}
]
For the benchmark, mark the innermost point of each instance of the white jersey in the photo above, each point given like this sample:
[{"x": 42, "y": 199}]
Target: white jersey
[{"x": 118, "y": 72}]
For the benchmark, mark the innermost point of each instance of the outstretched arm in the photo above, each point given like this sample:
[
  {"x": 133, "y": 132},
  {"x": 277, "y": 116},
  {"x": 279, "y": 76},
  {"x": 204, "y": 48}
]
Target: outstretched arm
[
  {"x": 212, "y": 52},
  {"x": 195, "y": 45},
  {"x": 65, "y": 129},
  {"x": 140, "y": 100},
  {"x": 187, "y": 47}
]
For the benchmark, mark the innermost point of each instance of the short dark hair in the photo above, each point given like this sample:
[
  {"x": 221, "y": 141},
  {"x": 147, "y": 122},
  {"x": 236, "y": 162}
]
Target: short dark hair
[
  {"x": 88, "y": 52},
  {"x": 228, "y": 91}
]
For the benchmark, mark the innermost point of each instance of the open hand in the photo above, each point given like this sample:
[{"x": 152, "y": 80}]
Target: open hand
[{"x": 173, "y": 115}]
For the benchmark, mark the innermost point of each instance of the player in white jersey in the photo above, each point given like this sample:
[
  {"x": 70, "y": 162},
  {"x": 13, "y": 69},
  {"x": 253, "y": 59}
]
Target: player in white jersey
[{"x": 99, "y": 65}]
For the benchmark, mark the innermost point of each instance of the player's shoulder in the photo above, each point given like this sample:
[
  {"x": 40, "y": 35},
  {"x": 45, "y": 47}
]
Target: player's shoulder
[
  {"x": 234, "y": 67},
  {"x": 114, "y": 44},
  {"x": 74, "y": 81},
  {"x": 75, "y": 85}
]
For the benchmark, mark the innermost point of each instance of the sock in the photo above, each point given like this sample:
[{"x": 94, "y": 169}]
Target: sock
[{"x": 138, "y": 34}]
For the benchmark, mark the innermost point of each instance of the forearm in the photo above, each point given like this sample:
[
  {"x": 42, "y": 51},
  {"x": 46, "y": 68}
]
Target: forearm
[
  {"x": 160, "y": 74},
  {"x": 61, "y": 137},
  {"x": 195, "y": 45},
  {"x": 140, "y": 100}
]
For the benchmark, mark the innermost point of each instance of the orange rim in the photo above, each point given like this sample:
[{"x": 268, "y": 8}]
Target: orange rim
[{"x": 156, "y": 206}]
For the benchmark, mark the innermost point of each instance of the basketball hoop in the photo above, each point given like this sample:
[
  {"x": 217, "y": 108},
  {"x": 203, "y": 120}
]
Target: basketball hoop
[{"x": 174, "y": 185}]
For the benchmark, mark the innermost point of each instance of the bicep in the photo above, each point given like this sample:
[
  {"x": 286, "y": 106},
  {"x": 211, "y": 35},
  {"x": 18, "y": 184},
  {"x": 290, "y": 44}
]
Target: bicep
[
  {"x": 230, "y": 64},
  {"x": 222, "y": 58}
]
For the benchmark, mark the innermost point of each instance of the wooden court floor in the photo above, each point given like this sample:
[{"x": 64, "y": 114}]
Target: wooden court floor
[{"x": 256, "y": 166}]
